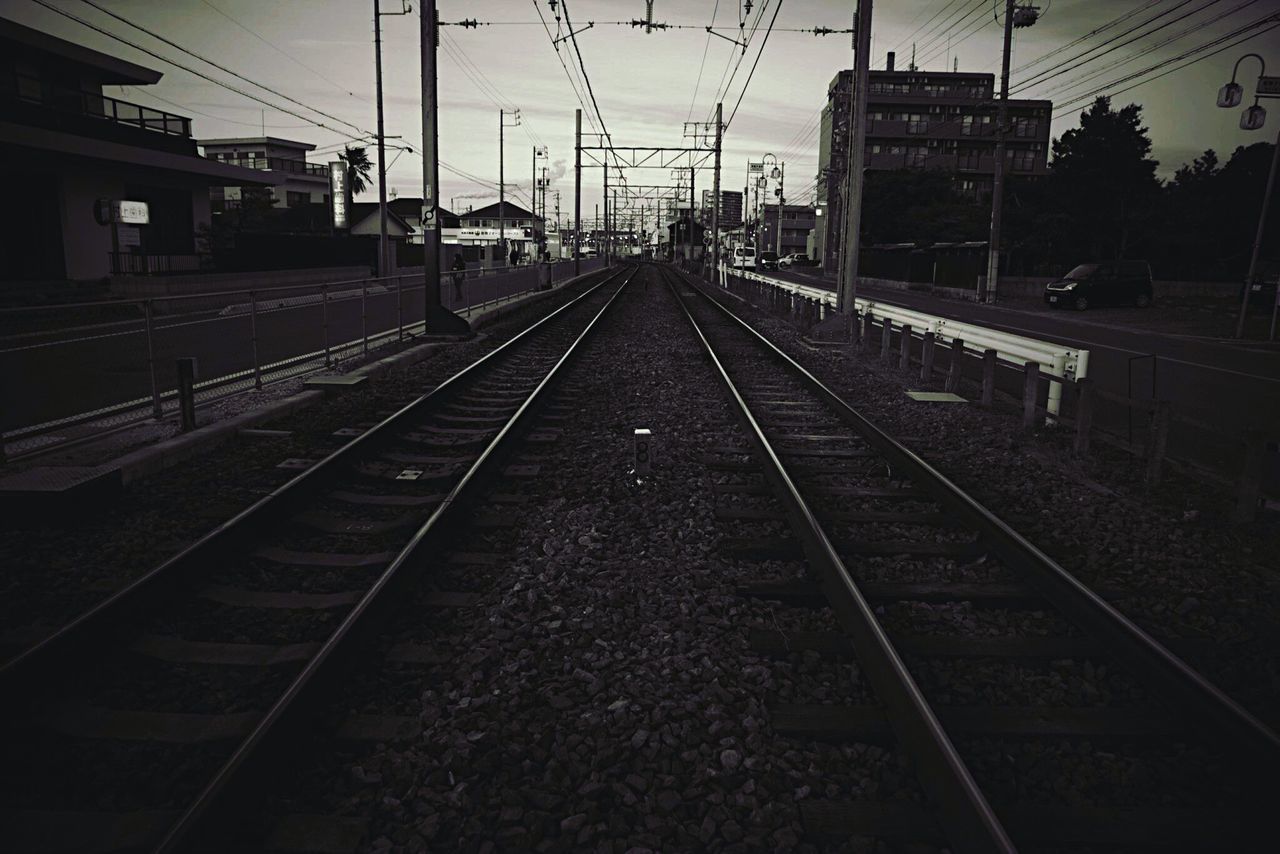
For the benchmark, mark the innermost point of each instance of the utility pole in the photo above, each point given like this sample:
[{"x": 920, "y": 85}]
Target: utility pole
[
  {"x": 854, "y": 178},
  {"x": 382, "y": 149},
  {"x": 715, "y": 191},
  {"x": 692, "y": 196},
  {"x": 577, "y": 193},
  {"x": 605, "y": 200},
  {"x": 502, "y": 197},
  {"x": 781, "y": 182},
  {"x": 987, "y": 292},
  {"x": 436, "y": 317},
  {"x": 559, "y": 233}
]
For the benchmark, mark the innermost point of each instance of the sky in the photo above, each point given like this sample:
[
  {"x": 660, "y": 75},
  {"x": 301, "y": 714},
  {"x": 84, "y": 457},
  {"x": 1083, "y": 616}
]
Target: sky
[{"x": 647, "y": 85}]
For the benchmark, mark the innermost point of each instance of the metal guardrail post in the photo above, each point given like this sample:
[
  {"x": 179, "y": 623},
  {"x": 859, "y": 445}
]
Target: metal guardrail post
[
  {"x": 886, "y": 339},
  {"x": 253, "y": 337},
  {"x": 1030, "y": 390},
  {"x": 904, "y": 349},
  {"x": 1084, "y": 415},
  {"x": 1249, "y": 487},
  {"x": 187, "y": 393},
  {"x": 324, "y": 323},
  {"x": 926, "y": 357},
  {"x": 867, "y": 320},
  {"x": 957, "y": 366},
  {"x": 364, "y": 317},
  {"x": 148, "y": 312},
  {"x": 399, "y": 309},
  {"x": 1159, "y": 441},
  {"x": 989, "y": 358}
]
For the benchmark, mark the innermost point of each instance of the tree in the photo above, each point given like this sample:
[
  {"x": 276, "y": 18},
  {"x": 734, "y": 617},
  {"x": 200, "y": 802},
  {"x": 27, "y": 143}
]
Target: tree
[
  {"x": 1105, "y": 180},
  {"x": 358, "y": 168}
]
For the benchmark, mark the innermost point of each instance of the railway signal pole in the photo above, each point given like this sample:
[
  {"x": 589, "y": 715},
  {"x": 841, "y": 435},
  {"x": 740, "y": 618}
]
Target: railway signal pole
[
  {"x": 577, "y": 192},
  {"x": 715, "y": 202},
  {"x": 436, "y": 317}
]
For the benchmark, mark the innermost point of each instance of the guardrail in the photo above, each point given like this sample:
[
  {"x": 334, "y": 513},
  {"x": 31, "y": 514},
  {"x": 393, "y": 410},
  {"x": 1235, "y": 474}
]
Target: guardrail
[
  {"x": 1238, "y": 464},
  {"x": 1057, "y": 360}
]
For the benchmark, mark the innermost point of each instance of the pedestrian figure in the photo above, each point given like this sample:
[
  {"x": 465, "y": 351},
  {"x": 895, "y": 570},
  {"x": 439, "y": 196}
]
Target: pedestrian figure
[
  {"x": 459, "y": 273},
  {"x": 515, "y": 256}
]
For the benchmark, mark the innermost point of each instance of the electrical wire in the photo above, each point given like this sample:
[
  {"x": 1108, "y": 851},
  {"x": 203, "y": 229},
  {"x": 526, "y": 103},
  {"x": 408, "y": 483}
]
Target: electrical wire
[
  {"x": 1084, "y": 38},
  {"x": 776, "y": 10},
  {"x": 702, "y": 65},
  {"x": 205, "y": 60}
]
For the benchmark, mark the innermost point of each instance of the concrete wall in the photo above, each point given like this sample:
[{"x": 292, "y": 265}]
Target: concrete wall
[{"x": 86, "y": 245}]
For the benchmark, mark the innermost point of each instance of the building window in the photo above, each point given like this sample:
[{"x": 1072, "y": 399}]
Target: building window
[
  {"x": 1025, "y": 128},
  {"x": 916, "y": 155},
  {"x": 1023, "y": 159},
  {"x": 917, "y": 123},
  {"x": 295, "y": 200}
]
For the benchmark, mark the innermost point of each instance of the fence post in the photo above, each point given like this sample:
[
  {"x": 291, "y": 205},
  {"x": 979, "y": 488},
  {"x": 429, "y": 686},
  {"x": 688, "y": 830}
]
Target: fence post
[
  {"x": 187, "y": 393},
  {"x": 253, "y": 338},
  {"x": 324, "y": 322},
  {"x": 867, "y": 320},
  {"x": 1030, "y": 391},
  {"x": 989, "y": 377},
  {"x": 399, "y": 309},
  {"x": 957, "y": 366},
  {"x": 886, "y": 339},
  {"x": 364, "y": 317},
  {"x": 926, "y": 357},
  {"x": 1250, "y": 485},
  {"x": 148, "y": 313},
  {"x": 1159, "y": 441},
  {"x": 904, "y": 349},
  {"x": 1084, "y": 415}
]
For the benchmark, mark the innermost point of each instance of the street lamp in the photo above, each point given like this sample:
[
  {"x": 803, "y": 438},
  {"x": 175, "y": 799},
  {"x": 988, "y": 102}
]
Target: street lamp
[
  {"x": 1254, "y": 118},
  {"x": 763, "y": 181}
]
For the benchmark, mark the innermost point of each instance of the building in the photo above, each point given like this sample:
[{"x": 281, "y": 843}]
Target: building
[
  {"x": 730, "y": 208},
  {"x": 302, "y": 184},
  {"x": 797, "y": 223},
  {"x": 917, "y": 119},
  {"x": 404, "y": 220},
  {"x": 480, "y": 227},
  {"x": 70, "y": 151}
]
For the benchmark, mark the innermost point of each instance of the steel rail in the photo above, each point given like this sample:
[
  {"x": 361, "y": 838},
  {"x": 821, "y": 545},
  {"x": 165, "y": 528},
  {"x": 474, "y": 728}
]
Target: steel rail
[
  {"x": 1149, "y": 660},
  {"x": 113, "y": 613},
  {"x": 968, "y": 821},
  {"x": 278, "y": 726}
]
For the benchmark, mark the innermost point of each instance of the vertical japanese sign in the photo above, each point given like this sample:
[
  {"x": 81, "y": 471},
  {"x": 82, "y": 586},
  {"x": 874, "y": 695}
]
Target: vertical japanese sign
[{"x": 338, "y": 190}]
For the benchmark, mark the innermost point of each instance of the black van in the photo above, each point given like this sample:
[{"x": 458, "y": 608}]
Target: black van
[{"x": 1105, "y": 283}]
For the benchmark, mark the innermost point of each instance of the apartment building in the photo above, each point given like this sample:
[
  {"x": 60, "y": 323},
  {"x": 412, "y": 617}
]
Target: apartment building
[
  {"x": 302, "y": 183},
  {"x": 916, "y": 119}
]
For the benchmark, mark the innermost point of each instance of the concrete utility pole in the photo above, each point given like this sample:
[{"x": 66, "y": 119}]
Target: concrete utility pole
[
  {"x": 781, "y": 200},
  {"x": 437, "y": 318},
  {"x": 577, "y": 193},
  {"x": 987, "y": 291},
  {"x": 715, "y": 184},
  {"x": 382, "y": 149},
  {"x": 605, "y": 199},
  {"x": 502, "y": 197},
  {"x": 692, "y": 195},
  {"x": 854, "y": 178}
]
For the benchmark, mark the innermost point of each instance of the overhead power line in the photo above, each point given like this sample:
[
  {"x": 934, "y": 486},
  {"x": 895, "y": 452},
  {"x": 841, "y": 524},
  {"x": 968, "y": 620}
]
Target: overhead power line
[
  {"x": 776, "y": 10},
  {"x": 1114, "y": 22},
  {"x": 208, "y": 61}
]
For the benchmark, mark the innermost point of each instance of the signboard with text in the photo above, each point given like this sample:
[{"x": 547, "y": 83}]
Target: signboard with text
[
  {"x": 1269, "y": 85},
  {"x": 107, "y": 211},
  {"x": 338, "y": 189}
]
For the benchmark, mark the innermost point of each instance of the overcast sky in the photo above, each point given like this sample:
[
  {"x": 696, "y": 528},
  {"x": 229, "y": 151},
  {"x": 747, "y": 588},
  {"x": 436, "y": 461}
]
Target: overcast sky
[{"x": 320, "y": 52}]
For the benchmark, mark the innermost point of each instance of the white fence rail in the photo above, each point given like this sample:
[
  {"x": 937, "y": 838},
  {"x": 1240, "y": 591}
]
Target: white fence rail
[{"x": 1069, "y": 363}]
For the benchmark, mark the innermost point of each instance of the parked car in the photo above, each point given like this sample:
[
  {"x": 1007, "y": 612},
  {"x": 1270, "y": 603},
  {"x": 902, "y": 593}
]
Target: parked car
[
  {"x": 1262, "y": 290},
  {"x": 1102, "y": 283},
  {"x": 768, "y": 260},
  {"x": 795, "y": 259},
  {"x": 745, "y": 256}
]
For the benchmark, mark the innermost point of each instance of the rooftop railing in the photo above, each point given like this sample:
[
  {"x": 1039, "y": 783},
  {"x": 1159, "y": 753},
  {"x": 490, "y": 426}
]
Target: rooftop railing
[
  {"x": 276, "y": 164},
  {"x": 55, "y": 96}
]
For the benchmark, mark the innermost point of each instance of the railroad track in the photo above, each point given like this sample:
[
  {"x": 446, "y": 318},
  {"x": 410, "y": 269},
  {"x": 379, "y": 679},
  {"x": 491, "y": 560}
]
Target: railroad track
[
  {"x": 150, "y": 720},
  {"x": 932, "y": 591}
]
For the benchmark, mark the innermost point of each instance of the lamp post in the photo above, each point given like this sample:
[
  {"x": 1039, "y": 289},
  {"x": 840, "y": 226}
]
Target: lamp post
[
  {"x": 1253, "y": 118},
  {"x": 762, "y": 182}
]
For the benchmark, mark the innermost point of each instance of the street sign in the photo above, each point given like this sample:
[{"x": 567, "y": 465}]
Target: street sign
[
  {"x": 1268, "y": 86},
  {"x": 128, "y": 235},
  {"x": 428, "y": 216},
  {"x": 132, "y": 213}
]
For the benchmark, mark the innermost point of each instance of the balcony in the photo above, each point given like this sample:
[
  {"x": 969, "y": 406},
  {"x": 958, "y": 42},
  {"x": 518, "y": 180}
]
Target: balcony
[
  {"x": 42, "y": 103},
  {"x": 278, "y": 164}
]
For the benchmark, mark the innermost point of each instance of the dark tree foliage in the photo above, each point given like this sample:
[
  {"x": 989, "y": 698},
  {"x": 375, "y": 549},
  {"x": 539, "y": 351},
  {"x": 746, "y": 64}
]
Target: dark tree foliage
[
  {"x": 907, "y": 206},
  {"x": 358, "y": 168}
]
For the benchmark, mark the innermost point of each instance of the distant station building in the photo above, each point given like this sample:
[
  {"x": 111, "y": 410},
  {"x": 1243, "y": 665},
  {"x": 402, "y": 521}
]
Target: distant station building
[
  {"x": 302, "y": 183},
  {"x": 73, "y": 155},
  {"x": 916, "y": 119},
  {"x": 797, "y": 223},
  {"x": 519, "y": 227}
]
